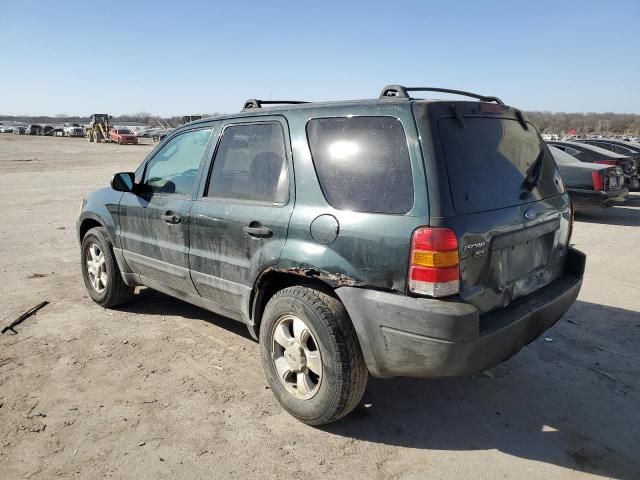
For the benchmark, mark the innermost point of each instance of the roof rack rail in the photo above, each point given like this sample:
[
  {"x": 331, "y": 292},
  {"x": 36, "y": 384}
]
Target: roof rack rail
[
  {"x": 255, "y": 103},
  {"x": 399, "y": 91}
]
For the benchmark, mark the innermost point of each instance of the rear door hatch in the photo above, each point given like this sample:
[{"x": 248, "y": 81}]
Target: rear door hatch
[{"x": 494, "y": 182}]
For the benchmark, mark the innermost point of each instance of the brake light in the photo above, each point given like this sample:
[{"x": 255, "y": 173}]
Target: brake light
[
  {"x": 434, "y": 267},
  {"x": 607, "y": 162},
  {"x": 598, "y": 181},
  {"x": 491, "y": 107}
]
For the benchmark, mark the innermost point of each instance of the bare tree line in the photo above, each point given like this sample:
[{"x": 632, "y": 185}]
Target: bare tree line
[
  {"x": 560, "y": 122},
  {"x": 545, "y": 122}
]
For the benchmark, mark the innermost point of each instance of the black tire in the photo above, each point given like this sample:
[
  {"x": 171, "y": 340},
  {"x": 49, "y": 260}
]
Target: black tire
[
  {"x": 344, "y": 372},
  {"x": 116, "y": 292}
]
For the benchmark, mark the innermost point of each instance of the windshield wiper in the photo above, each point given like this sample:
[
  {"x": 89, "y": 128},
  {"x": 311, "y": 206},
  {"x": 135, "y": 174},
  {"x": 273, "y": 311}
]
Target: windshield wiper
[{"x": 533, "y": 176}]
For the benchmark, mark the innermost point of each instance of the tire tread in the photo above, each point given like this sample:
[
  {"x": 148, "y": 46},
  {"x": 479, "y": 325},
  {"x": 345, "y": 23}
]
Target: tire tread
[
  {"x": 117, "y": 292},
  {"x": 352, "y": 375}
]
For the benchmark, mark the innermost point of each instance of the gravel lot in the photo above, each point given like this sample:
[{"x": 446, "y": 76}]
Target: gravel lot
[{"x": 162, "y": 389}]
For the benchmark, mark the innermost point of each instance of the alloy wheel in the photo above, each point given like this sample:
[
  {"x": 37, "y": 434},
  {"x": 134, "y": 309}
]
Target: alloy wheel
[
  {"x": 96, "y": 268},
  {"x": 296, "y": 357}
]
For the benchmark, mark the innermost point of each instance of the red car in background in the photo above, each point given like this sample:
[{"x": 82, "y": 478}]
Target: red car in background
[{"x": 122, "y": 136}]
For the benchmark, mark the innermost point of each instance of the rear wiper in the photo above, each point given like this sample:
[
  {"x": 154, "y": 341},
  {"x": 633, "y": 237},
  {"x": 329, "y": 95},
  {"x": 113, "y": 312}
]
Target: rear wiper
[
  {"x": 456, "y": 114},
  {"x": 533, "y": 176}
]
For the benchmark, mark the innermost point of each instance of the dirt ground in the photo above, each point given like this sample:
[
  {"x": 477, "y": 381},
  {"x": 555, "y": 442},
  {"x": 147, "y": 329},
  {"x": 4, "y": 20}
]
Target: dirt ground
[{"x": 161, "y": 389}]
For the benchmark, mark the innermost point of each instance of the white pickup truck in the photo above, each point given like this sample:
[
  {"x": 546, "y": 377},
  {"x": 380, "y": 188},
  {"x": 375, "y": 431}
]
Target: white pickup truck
[{"x": 73, "y": 130}]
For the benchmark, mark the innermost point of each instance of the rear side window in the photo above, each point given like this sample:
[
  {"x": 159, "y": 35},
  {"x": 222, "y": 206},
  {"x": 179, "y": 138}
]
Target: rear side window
[
  {"x": 573, "y": 152},
  {"x": 488, "y": 160},
  {"x": 250, "y": 165},
  {"x": 362, "y": 163}
]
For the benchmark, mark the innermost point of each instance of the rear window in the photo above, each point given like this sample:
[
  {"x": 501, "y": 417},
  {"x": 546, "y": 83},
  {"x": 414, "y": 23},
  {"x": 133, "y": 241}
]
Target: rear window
[
  {"x": 362, "y": 163},
  {"x": 488, "y": 159}
]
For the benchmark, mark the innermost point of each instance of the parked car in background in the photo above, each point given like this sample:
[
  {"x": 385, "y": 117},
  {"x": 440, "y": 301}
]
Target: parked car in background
[
  {"x": 47, "y": 130},
  {"x": 73, "y": 130},
  {"x": 614, "y": 145},
  {"x": 550, "y": 136},
  {"x": 590, "y": 184},
  {"x": 631, "y": 149},
  {"x": 591, "y": 154},
  {"x": 146, "y": 132},
  {"x": 19, "y": 130},
  {"x": 123, "y": 136},
  {"x": 470, "y": 241},
  {"x": 6, "y": 129},
  {"x": 33, "y": 129},
  {"x": 159, "y": 135}
]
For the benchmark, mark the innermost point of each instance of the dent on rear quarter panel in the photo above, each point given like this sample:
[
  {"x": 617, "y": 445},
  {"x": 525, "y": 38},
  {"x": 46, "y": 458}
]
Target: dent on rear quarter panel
[{"x": 310, "y": 259}]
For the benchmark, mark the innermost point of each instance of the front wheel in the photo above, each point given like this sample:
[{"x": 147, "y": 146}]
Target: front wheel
[
  {"x": 311, "y": 355},
  {"x": 100, "y": 270}
]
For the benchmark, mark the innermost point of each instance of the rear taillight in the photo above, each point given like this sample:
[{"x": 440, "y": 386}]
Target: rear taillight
[
  {"x": 598, "y": 181},
  {"x": 434, "y": 267},
  {"x": 607, "y": 162}
]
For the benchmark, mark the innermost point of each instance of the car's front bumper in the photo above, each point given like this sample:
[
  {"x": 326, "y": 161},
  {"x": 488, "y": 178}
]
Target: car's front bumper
[{"x": 421, "y": 337}]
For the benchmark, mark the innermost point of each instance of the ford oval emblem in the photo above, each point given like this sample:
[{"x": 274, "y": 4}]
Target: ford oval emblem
[{"x": 530, "y": 214}]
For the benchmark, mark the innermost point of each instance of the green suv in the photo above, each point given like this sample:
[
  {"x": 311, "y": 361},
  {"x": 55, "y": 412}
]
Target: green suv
[{"x": 394, "y": 236}]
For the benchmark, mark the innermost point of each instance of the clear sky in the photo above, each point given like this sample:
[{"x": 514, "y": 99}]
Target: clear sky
[{"x": 181, "y": 57}]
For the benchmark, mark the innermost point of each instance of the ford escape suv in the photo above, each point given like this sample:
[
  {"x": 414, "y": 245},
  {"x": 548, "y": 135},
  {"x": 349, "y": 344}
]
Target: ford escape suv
[{"x": 395, "y": 236}]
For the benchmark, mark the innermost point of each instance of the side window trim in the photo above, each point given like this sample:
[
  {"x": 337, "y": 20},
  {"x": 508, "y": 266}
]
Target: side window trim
[{"x": 211, "y": 156}]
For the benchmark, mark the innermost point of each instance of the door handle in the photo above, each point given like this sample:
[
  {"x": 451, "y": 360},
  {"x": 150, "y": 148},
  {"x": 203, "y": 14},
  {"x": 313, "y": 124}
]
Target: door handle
[
  {"x": 257, "y": 231},
  {"x": 171, "y": 218}
]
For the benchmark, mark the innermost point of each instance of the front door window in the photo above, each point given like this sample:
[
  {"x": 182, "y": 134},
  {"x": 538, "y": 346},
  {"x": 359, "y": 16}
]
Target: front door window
[{"x": 174, "y": 169}]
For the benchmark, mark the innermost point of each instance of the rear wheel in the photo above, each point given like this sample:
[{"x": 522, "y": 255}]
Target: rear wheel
[
  {"x": 97, "y": 136},
  {"x": 311, "y": 355},
  {"x": 100, "y": 270}
]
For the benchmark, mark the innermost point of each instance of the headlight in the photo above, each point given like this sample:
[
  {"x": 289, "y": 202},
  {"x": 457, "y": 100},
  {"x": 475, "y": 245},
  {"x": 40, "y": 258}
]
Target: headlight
[{"x": 82, "y": 203}]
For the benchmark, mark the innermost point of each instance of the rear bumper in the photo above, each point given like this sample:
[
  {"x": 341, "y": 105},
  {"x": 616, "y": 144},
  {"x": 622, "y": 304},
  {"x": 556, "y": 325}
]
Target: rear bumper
[
  {"x": 590, "y": 198},
  {"x": 421, "y": 337}
]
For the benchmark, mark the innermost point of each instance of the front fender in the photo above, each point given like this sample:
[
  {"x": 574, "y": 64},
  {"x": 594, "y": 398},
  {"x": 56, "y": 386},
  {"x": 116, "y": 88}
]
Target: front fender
[{"x": 101, "y": 206}]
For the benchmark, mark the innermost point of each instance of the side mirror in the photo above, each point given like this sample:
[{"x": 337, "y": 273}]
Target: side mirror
[{"x": 123, "y": 181}]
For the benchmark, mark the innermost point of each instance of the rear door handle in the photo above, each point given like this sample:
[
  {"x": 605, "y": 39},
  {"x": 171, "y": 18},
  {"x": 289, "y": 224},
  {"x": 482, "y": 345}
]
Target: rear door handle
[
  {"x": 171, "y": 218},
  {"x": 257, "y": 231}
]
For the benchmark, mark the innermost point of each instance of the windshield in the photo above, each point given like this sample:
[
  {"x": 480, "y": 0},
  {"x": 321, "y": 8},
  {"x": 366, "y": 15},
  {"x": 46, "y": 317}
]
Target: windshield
[
  {"x": 125, "y": 132},
  {"x": 495, "y": 163}
]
